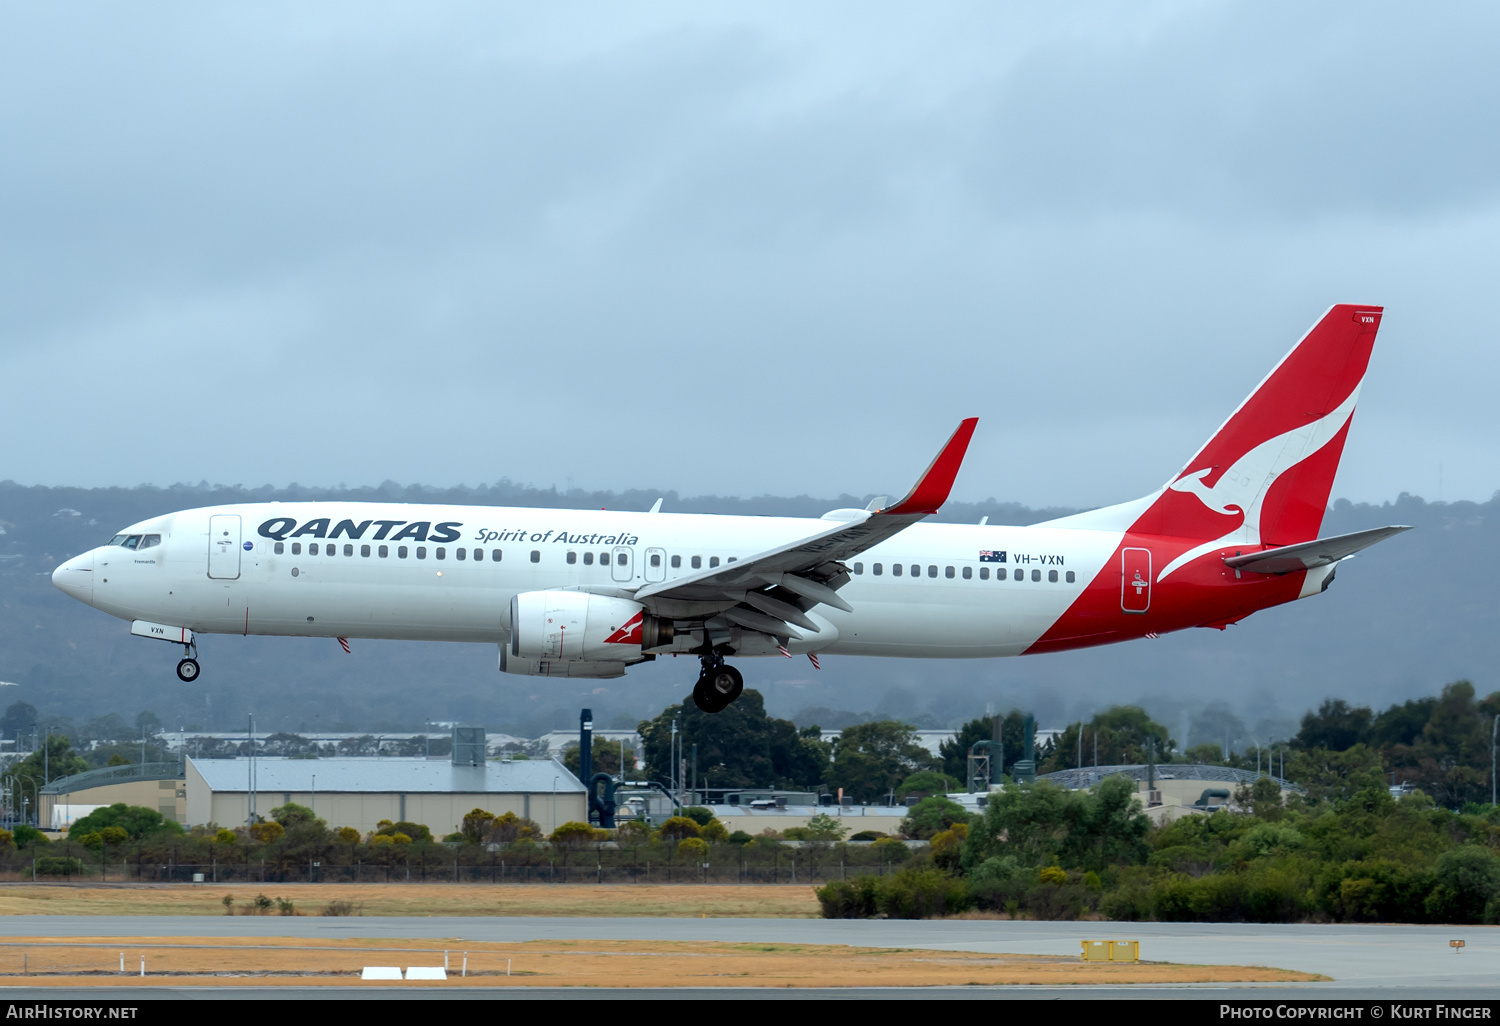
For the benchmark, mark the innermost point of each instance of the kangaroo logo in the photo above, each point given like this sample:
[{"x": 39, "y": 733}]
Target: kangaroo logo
[{"x": 1242, "y": 488}]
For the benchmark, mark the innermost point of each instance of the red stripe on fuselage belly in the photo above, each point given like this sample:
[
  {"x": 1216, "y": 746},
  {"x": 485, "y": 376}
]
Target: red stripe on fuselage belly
[{"x": 1203, "y": 592}]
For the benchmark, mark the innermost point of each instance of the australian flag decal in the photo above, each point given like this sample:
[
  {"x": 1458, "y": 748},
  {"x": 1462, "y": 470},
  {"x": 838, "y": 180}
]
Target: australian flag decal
[{"x": 987, "y": 556}]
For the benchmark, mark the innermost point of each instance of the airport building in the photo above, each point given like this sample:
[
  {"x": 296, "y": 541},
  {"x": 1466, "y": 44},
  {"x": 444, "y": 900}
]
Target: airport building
[
  {"x": 156, "y": 785},
  {"x": 360, "y": 792}
]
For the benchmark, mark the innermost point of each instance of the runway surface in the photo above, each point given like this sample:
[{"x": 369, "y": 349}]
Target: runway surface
[{"x": 1397, "y": 962}]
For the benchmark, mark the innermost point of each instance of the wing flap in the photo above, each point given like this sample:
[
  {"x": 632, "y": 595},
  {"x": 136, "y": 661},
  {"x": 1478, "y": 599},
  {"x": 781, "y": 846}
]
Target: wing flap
[
  {"x": 1307, "y": 555},
  {"x": 818, "y": 555}
]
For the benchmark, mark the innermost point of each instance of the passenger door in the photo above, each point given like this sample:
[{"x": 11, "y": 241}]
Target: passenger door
[{"x": 224, "y": 546}]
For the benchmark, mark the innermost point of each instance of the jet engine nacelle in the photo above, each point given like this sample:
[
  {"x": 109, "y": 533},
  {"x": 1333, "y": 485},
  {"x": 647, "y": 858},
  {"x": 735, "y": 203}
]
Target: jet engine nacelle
[{"x": 574, "y": 625}]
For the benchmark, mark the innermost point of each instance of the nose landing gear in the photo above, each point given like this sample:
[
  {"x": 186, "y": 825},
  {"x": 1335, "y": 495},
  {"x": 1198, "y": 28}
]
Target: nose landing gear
[
  {"x": 187, "y": 668},
  {"x": 718, "y": 685}
]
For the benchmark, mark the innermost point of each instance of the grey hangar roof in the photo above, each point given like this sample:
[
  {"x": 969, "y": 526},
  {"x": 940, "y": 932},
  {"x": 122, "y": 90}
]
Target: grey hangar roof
[{"x": 387, "y": 775}]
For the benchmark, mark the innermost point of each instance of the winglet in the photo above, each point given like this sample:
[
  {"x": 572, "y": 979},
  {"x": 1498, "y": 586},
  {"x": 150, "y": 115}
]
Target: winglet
[{"x": 931, "y": 491}]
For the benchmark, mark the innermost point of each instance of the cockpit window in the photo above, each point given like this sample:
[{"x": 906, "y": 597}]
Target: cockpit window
[
  {"x": 132, "y": 541},
  {"x": 148, "y": 540},
  {"x": 118, "y": 539}
]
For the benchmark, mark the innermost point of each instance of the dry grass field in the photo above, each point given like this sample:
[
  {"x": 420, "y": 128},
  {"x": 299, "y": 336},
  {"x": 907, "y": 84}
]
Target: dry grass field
[
  {"x": 189, "y": 961},
  {"x": 428, "y": 899}
]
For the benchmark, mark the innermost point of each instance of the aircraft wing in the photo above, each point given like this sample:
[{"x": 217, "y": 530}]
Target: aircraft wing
[
  {"x": 1307, "y": 555},
  {"x": 776, "y": 587}
]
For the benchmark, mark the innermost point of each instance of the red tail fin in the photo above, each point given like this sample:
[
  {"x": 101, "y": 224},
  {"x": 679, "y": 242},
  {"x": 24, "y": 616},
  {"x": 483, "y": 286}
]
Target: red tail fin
[{"x": 1264, "y": 477}]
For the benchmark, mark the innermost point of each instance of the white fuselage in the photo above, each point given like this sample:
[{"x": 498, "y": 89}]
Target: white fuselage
[{"x": 404, "y": 571}]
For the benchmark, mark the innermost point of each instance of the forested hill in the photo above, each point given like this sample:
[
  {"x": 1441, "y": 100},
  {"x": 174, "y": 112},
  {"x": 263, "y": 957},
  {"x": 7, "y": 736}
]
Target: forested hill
[{"x": 1402, "y": 619}]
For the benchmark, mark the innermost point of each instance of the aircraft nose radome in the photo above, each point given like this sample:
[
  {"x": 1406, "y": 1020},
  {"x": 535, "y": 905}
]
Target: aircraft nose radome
[{"x": 76, "y": 578}]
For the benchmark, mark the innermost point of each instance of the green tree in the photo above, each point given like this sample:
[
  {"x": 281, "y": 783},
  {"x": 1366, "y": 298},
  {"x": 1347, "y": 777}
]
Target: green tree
[
  {"x": 1336, "y": 726},
  {"x": 477, "y": 825},
  {"x": 1044, "y": 824},
  {"x": 739, "y": 747},
  {"x": 137, "y": 822},
  {"x": 932, "y": 816},
  {"x": 1466, "y": 885},
  {"x": 1122, "y": 733},
  {"x": 19, "y": 720},
  {"x": 293, "y": 815},
  {"x": 678, "y": 827},
  {"x": 53, "y": 760},
  {"x": 606, "y": 758},
  {"x": 925, "y": 783},
  {"x": 870, "y": 759}
]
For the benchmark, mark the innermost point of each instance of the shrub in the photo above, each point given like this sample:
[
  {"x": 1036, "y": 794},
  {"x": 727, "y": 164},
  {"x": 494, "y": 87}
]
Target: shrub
[
  {"x": 932, "y": 816},
  {"x": 572, "y": 835},
  {"x": 692, "y": 849},
  {"x": 58, "y": 865},
  {"x": 679, "y": 827},
  {"x": 913, "y": 893},
  {"x": 869, "y": 835},
  {"x": 26, "y": 834},
  {"x": 891, "y": 849},
  {"x": 714, "y": 831},
  {"x": 343, "y": 907},
  {"x": 225, "y": 836},
  {"x": 740, "y": 837},
  {"x": 1465, "y": 882},
  {"x": 702, "y": 815}
]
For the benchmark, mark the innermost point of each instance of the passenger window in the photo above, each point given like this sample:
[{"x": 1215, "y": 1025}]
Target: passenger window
[
  {"x": 495, "y": 555},
  {"x": 968, "y": 572},
  {"x": 732, "y": 559},
  {"x": 895, "y": 569},
  {"x": 604, "y": 559},
  {"x": 1070, "y": 577},
  {"x": 536, "y": 555},
  {"x": 464, "y": 554},
  {"x": 441, "y": 552},
  {"x": 656, "y": 559},
  {"x": 916, "y": 571},
  {"x": 1052, "y": 576},
  {"x": 676, "y": 562},
  {"x": 984, "y": 573},
  {"x": 697, "y": 562},
  {"x": 479, "y": 555},
  {"x": 931, "y": 571},
  {"x": 400, "y": 551},
  {"x": 348, "y": 550},
  {"x": 588, "y": 559},
  {"x": 364, "y": 550},
  {"x": 876, "y": 569},
  {"x": 948, "y": 572},
  {"x": 859, "y": 568},
  {"x": 421, "y": 552},
  {"x": 312, "y": 548},
  {"x": 280, "y": 548},
  {"x": 384, "y": 550},
  {"x": 1018, "y": 574},
  {"x": 296, "y": 548},
  {"x": 572, "y": 558},
  {"x": 621, "y": 558},
  {"x": 713, "y": 561},
  {"x": 1036, "y": 575}
]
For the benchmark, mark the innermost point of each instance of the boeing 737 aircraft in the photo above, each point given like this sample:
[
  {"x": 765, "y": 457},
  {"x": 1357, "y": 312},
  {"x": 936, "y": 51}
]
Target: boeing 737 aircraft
[{"x": 587, "y": 593}]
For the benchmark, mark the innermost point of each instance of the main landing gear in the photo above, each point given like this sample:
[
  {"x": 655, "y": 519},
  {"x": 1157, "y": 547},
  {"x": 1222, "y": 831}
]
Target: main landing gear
[
  {"x": 718, "y": 684},
  {"x": 187, "y": 669}
]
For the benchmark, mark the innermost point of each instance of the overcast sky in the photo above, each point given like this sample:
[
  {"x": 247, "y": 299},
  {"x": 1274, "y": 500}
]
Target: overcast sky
[{"x": 736, "y": 248}]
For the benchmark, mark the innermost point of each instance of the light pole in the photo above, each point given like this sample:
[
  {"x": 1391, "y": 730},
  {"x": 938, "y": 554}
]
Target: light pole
[{"x": 554, "y": 803}]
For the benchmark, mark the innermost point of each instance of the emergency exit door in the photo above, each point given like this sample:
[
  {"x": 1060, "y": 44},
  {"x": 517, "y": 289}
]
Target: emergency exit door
[
  {"x": 1135, "y": 580},
  {"x": 224, "y": 546}
]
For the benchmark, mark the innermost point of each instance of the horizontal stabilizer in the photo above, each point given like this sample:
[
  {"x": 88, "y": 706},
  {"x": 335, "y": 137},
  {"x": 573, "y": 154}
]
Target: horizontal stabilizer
[{"x": 1307, "y": 555}]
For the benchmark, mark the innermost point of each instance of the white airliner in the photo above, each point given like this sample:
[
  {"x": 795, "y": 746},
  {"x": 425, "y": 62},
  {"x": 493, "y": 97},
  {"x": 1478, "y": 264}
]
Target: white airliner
[{"x": 587, "y": 593}]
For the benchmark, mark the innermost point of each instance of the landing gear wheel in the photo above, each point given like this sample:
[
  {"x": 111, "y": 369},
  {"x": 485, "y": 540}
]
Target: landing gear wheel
[
  {"x": 717, "y": 687},
  {"x": 187, "y": 670}
]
